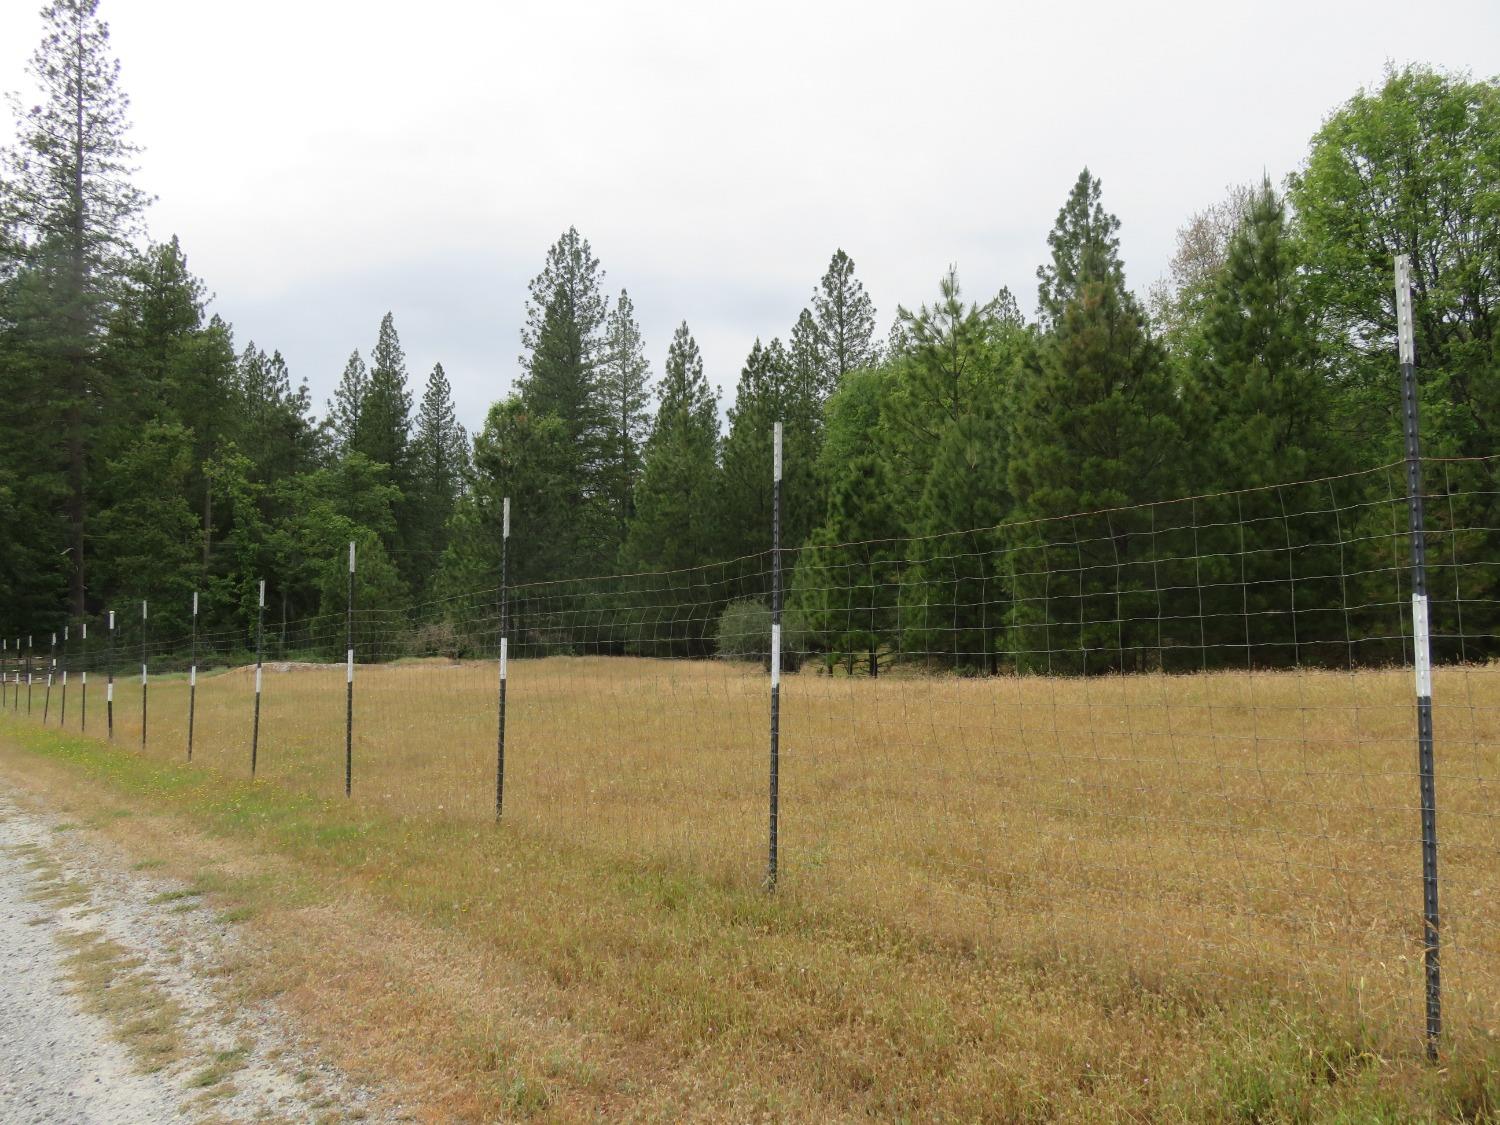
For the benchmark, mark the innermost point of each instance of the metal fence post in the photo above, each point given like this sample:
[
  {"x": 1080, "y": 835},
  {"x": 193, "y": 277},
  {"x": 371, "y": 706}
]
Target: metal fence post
[
  {"x": 260, "y": 630},
  {"x": 504, "y": 653},
  {"x": 771, "y": 865},
  {"x": 349, "y": 682},
  {"x": 83, "y": 676},
  {"x": 109, "y": 675},
  {"x": 193, "y": 679},
  {"x": 51, "y": 667},
  {"x": 1421, "y": 652},
  {"x": 143, "y": 674},
  {"x": 62, "y": 667}
]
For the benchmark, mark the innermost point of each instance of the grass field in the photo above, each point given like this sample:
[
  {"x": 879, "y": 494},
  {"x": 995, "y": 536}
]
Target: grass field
[{"x": 1008, "y": 898}]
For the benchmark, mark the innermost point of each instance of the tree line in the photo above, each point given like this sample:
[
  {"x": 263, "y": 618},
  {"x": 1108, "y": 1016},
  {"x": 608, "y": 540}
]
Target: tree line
[{"x": 146, "y": 454}]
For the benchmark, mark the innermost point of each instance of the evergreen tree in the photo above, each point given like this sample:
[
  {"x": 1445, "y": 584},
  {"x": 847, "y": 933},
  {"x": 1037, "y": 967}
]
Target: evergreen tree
[
  {"x": 1096, "y": 427},
  {"x": 1085, "y": 246},
  {"x": 184, "y": 371},
  {"x": 1258, "y": 367},
  {"x": 440, "y": 464},
  {"x": 564, "y": 338},
  {"x": 1266, "y": 411},
  {"x": 852, "y": 422},
  {"x": 625, "y": 391},
  {"x": 1096, "y": 415},
  {"x": 950, "y": 368},
  {"x": 242, "y": 549},
  {"x": 524, "y": 456},
  {"x": 383, "y": 431},
  {"x": 146, "y": 534},
  {"x": 348, "y": 403},
  {"x": 68, "y": 211},
  {"x": 853, "y": 474},
  {"x": 957, "y": 601},
  {"x": 274, "y": 421},
  {"x": 156, "y": 317},
  {"x": 768, "y": 392},
  {"x": 219, "y": 366},
  {"x": 805, "y": 354},
  {"x": 35, "y": 562},
  {"x": 322, "y": 510},
  {"x": 674, "y": 525},
  {"x": 848, "y": 582},
  {"x": 845, "y": 320},
  {"x": 944, "y": 421}
]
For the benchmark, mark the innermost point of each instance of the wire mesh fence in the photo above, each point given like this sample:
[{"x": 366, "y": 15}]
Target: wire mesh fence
[{"x": 1175, "y": 739}]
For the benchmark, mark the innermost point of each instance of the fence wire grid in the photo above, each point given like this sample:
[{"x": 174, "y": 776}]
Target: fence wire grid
[{"x": 1177, "y": 738}]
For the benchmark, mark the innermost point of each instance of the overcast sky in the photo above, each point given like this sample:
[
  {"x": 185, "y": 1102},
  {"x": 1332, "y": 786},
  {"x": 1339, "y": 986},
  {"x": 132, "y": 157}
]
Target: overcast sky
[{"x": 325, "y": 162}]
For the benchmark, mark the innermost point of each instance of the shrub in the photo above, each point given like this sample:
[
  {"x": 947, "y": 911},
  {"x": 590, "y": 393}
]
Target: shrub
[{"x": 744, "y": 633}]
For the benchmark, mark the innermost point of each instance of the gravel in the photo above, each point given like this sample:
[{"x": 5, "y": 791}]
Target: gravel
[
  {"x": 57, "y": 1064},
  {"x": 60, "y": 1063}
]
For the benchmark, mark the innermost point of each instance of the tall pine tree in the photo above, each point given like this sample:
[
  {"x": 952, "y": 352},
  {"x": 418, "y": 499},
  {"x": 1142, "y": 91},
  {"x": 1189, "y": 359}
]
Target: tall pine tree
[
  {"x": 1258, "y": 365},
  {"x": 383, "y": 432},
  {"x": 348, "y": 403},
  {"x": 524, "y": 456},
  {"x": 1266, "y": 412},
  {"x": 440, "y": 465},
  {"x": 845, "y": 319},
  {"x": 805, "y": 354},
  {"x": 945, "y": 426},
  {"x": 624, "y": 385},
  {"x": 1096, "y": 426},
  {"x": 675, "y": 525},
  {"x": 768, "y": 392},
  {"x": 564, "y": 340},
  {"x": 70, "y": 210}
]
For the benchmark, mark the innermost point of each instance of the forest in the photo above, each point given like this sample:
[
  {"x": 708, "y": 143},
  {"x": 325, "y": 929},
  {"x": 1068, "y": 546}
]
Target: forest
[{"x": 146, "y": 453}]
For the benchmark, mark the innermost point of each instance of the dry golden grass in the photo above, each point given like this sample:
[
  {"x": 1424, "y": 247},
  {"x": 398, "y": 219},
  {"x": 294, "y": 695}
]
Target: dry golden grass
[{"x": 1009, "y": 897}]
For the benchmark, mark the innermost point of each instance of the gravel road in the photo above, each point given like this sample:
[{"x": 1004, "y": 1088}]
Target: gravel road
[
  {"x": 57, "y": 1063},
  {"x": 61, "y": 1064}
]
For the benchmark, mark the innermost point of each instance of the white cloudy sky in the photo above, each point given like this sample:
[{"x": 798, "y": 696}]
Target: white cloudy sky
[{"x": 324, "y": 162}]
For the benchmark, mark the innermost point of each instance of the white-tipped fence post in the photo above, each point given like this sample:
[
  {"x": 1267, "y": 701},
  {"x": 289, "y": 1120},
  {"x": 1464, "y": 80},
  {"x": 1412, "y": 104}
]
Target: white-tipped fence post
[
  {"x": 771, "y": 865},
  {"x": 349, "y": 681},
  {"x": 143, "y": 674},
  {"x": 109, "y": 680},
  {"x": 62, "y": 668},
  {"x": 193, "y": 679},
  {"x": 83, "y": 676},
  {"x": 51, "y": 668},
  {"x": 504, "y": 657},
  {"x": 1421, "y": 652},
  {"x": 260, "y": 632}
]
